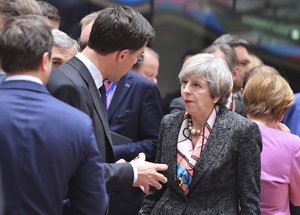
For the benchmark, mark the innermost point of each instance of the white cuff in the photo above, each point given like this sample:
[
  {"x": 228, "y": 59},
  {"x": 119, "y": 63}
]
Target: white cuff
[{"x": 135, "y": 173}]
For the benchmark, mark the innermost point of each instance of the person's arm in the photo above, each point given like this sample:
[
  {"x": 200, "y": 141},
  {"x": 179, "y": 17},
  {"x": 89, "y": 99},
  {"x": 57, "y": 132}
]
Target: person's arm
[
  {"x": 248, "y": 170},
  {"x": 294, "y": 187},
  {"x": 87, "y": 192}
]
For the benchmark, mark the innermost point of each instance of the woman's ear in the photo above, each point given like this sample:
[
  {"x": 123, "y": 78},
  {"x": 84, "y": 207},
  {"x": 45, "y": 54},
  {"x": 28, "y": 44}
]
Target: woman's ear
[{"x": 216, "y": 99}]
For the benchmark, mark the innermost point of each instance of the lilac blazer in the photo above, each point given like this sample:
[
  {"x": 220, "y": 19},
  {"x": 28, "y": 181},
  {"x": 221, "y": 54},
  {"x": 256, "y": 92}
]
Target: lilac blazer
[{"x": 280, "y": 171}]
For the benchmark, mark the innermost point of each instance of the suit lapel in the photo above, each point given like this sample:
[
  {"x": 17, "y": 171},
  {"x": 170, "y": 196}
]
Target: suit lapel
[
  {"x": 215, "y": 143},
  {"x": 122, "y": 89},
  {"x": 171, "y": 151},
  {"x": 95, "y": 94}
]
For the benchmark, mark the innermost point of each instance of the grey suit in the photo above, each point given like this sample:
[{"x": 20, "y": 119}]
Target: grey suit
[{"x": 227, "y": 173}]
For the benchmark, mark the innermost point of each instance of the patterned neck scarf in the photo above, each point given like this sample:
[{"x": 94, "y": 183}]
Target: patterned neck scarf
[{"x": 187, "y": 155}]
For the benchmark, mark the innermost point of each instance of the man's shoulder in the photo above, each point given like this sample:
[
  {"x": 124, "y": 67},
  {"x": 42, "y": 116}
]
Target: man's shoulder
[
  {"x": 68, "y": 112},
  {"x": 140, "y": 80}
]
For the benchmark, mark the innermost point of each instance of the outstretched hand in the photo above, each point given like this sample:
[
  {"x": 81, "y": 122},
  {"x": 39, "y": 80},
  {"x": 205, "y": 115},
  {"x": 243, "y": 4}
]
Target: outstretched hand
[{"x": 148, "y": 173}]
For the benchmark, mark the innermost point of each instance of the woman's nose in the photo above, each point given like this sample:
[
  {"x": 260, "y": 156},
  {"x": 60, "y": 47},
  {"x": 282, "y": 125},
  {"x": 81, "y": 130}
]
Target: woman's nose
[{"x": 186, "y": 88}]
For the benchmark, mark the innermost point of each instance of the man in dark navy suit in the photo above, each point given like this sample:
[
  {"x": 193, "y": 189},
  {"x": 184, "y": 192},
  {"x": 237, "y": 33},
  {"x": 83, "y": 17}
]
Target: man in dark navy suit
[
  {"x": 48, "y": 148},
  {"x": 135, "y": 111}
]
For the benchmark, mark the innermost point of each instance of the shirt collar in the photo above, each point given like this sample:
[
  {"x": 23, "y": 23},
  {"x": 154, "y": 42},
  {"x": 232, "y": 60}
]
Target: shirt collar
[
  {"x": 94, "y": 71},
  {"x": 212, "y": 117},
  {"x": 24, "y": 78}
]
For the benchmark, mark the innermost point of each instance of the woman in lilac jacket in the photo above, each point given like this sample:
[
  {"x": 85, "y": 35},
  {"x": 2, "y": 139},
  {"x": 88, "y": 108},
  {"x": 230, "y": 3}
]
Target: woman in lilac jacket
[{"x": 267, "y": 97}]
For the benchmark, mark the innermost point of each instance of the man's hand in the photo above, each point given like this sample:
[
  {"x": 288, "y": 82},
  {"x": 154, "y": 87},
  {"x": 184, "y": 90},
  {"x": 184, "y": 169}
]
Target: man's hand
[{"x": 148, "y": 173}]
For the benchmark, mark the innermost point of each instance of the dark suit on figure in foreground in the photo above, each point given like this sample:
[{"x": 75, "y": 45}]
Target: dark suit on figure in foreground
[
  {"x": 112, "y": 50},
  {"x": 47, "y": 147},
  {"x": 135, "y": 111}
]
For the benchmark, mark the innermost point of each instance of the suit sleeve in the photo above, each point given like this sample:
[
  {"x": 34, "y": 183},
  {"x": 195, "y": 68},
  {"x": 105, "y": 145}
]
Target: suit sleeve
[
  {"x": 118, "y": 176},
  {"x": 294, "y": 188},
  {"x": 87, "y": 191},
  {"x": 149, "y": 120},
  {"x": 154, "y": 195},
  {"x": 248, "y": 170}
]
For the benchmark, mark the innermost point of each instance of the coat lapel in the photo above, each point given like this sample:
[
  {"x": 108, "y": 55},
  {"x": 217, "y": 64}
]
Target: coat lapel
[
  {"x": 94, "y": 92},
  {"x": 171, "y": 151},
  {"x": 122, "y": 89},
  {"x": 215, "y": 143}
]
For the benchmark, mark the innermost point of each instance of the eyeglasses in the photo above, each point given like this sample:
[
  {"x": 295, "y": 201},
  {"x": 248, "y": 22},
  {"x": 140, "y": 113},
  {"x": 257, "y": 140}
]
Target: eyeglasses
[{"x": 140, "y": 59}]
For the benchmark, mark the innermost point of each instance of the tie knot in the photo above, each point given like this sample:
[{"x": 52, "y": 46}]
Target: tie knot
[{"x": 107, "y": 84}]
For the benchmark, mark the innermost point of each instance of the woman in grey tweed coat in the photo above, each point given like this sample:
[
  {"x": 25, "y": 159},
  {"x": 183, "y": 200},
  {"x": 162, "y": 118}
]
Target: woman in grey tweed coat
[{"x": 213, "y": 154}]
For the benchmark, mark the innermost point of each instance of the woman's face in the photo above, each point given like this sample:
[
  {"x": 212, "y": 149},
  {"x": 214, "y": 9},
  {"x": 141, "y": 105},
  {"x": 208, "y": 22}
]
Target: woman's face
[{"x": 197, "y": 97}]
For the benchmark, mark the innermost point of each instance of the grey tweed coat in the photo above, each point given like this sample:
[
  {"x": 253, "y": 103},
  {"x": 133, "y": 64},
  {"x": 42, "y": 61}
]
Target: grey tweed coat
[{"x": 226, "y": 177}]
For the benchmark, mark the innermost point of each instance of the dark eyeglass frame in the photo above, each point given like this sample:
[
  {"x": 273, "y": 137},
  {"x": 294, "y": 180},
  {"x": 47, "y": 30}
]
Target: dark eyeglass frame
[{"x": 140, "y": 59}]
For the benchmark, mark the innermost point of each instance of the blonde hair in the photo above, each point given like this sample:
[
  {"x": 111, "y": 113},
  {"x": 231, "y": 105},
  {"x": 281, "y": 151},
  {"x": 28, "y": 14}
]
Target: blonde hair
[{"x": 267, "y": 95}]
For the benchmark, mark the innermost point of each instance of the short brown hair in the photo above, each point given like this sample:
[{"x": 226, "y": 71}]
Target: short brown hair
[
  {"x": 267, "y": 95},
  {"x": 119, "y": 28},
  {"x": 19, "y": 7},
  {"x": 23, "y": 41}
]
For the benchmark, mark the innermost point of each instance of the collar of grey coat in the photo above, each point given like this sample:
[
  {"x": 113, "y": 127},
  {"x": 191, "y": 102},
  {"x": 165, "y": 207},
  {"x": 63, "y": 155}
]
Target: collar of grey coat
[{"x": 216, "y": 142}]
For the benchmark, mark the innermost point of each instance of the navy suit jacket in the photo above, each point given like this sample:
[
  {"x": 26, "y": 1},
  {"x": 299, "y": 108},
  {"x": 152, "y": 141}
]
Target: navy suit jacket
[
  {"x": 291, "y": 118},
  {"x": 135, "y": 111},
  {"x": 47, "y": 148},
  {"x": 73, "y": 84},
  {"x": 2, "y": 76}
]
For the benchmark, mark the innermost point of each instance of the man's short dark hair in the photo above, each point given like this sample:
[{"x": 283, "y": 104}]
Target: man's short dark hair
[
  {"x": 119, "y": 28},
  {"x": 23, "y": 41},
  {"x": 49, "y": 11}
]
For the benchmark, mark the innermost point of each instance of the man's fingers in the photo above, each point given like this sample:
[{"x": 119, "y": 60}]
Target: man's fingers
[
  {"x": 145, "y": 188},
  {"x": 142, "y": 156},
  {"x": 159, "y": 177},
  {"x": 160, "y": 167},
  {"x": 155, "y": 183}
]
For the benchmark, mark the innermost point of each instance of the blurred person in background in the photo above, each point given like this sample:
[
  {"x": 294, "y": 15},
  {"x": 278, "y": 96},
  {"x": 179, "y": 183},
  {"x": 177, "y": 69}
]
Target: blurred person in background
[
  {"x": 267, "y": 97},
  {"x": 150, "y": 65},
  {"x": 241, "y": 49},
  {"x": 51, "y": 13},
  {"x": 9, "y": 8},
  {"x": 64, "y": 47}
]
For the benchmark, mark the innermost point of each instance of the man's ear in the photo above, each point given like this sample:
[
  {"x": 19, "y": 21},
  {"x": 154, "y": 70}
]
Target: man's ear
[
  {"x": 234, "y": 73},
  {"x": 122, "y": 55},
  {"x": 45, "y": 62}
]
